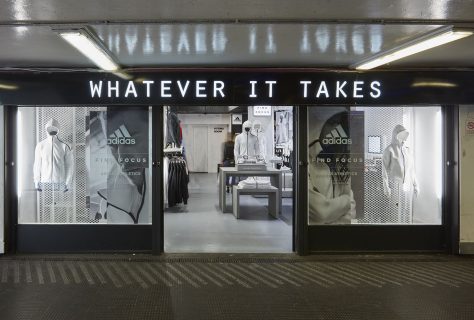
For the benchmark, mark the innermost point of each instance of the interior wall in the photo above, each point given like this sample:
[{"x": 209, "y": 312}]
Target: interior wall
[
  {"x": 27, "y": 200},
  {"x": 2, "y": 217},
  {"x": 217, "y": 128},
  {"x": 466, "y": 177},
  {"x": 427, "y": 146}
]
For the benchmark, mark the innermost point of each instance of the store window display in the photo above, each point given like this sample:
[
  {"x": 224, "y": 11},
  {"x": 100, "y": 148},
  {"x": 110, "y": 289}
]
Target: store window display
[
  {"x": 366, "y": 165},
  {"x": 84, "y": 165}
]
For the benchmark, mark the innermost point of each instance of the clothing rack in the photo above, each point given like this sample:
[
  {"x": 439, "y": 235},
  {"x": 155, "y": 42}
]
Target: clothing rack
[{"x": 170, "y": 151}]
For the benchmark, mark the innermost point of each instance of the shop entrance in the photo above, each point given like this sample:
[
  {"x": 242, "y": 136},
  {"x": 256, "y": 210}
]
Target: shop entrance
[{"x": 228, "y": 179}]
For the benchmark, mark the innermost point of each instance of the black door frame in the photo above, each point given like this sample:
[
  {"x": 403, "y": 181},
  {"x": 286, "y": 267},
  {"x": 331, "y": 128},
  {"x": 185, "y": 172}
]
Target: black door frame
[
  {"x": 67, "y": 238},
  {"x": 389, "y": 238},
  {"x": 298, "y": 242}
]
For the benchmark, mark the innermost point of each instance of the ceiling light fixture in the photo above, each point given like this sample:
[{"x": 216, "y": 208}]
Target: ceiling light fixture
[
  {"x": 91, "y": 47},
  {"x": 430, "y": 40}
]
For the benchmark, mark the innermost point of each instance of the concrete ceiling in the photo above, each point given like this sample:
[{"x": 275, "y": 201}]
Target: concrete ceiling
[{"x": 226, "y": 33}]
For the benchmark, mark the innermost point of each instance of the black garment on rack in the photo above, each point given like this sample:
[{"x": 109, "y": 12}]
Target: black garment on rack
[
  {"x": 173, "y": 134},
  {"x": 178, "y": 179}
]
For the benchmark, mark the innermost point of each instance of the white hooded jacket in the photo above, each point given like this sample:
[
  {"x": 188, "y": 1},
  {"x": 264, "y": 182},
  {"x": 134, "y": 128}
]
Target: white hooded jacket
[
  {"x": 53, "y": 159},
  {"x": 246, "y": 139},
  {"x": 397, "y": 162}
]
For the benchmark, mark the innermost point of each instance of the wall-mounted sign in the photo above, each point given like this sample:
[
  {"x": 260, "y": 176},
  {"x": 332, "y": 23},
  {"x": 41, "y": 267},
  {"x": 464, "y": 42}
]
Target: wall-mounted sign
[
  {"x": 261, "y": 111},
  {"x": 237, "y": 118},
  {"x": 218, "y": 130},
  {"x": 241, "y": 87}
]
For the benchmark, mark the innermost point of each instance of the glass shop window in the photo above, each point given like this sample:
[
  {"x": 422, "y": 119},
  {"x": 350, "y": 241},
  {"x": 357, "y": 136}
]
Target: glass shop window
[
  {"x": 374, "y": 165},
  {"x": 83, "y": 165}
]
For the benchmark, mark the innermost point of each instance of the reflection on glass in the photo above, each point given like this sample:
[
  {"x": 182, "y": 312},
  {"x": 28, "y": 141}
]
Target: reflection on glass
[
  {"x": 183, "y": 41},
  {"x": 148, "y": 44},
  {"x": 117, "y": 42},
  {"x": 131, "y": 39},
  {"x": 253, "y": 39},
  {"x": 200, "y": 39},
  {"x": 376, "y": 39},
  {"x": 341, "y": 39},
  {"x": 165, "y": 39},
  {"x": 270, "y": 45},
  {"x": 305, "y": 45},
  {"x": 357, "y": 42},
  {"x": 219, "y": 38},
  {"x": 322, "y": 38},
  {"x": 374, "y": 165}
]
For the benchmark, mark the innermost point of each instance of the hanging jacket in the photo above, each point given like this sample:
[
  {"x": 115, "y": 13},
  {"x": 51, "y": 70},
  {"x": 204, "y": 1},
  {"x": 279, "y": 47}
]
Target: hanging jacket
[
  {"x": 397, "y": 163},
  {"x": 53, "y": 159},
  {"x": 178, "y": 179}
]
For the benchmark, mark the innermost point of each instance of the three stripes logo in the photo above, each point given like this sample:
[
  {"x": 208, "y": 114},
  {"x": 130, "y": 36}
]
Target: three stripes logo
[
  {"x": 337, "y": 136},
  {"x": 120, "y": 136}
]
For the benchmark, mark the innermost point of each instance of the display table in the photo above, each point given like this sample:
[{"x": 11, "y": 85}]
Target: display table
[
  {"x": 273, "y": 199},
  {"x": 225, "y": 172}
]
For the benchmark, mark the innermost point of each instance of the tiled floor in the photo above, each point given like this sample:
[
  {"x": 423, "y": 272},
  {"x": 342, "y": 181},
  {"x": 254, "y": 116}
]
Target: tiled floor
[
  {"x": 236, "y": 287},
  {"x": 201, "y": 227}
]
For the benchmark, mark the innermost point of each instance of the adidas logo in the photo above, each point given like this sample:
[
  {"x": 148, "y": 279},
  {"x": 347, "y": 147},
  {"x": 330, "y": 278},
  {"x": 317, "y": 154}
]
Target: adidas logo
[
  {"x": 121, "y": 136},
  {"x": 337, "y": 136}
]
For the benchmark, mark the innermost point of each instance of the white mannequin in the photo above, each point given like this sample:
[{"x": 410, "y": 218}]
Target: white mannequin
[
  {"x": 53, "y": 166},
  {"x": 398, "y": 173},
  {"x": 246, "y": 144}
]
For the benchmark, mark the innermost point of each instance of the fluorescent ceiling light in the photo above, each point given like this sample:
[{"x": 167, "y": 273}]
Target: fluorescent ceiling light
[
  {"x": 5, "y": 86},
  {"x": 433, "y": 39},
  {"x": 90, "y": 47}
]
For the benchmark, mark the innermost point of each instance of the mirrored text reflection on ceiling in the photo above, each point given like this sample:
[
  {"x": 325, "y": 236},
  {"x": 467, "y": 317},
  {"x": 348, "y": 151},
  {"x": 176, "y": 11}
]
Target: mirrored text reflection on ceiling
[{"x": 249, "y": 39}]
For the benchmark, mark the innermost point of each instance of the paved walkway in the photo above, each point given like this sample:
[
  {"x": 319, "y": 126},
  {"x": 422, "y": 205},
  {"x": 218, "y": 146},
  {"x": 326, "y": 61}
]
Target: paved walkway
[{"x": 236, "y": 287}]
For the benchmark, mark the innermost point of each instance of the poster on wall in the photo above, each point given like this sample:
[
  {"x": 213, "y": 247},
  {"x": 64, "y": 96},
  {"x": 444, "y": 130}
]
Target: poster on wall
[
  {"x": 236, "y": 118},
  {"x": 118, "y": 148},
  {"x": 283, "y": 126},
  {"x": 335, "y": 165}
]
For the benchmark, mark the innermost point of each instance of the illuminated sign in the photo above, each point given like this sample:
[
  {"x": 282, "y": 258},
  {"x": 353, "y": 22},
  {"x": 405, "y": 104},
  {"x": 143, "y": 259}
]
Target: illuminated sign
[
  {"x": 236, "y": 87},
  {"x": 210, "y": 89}
]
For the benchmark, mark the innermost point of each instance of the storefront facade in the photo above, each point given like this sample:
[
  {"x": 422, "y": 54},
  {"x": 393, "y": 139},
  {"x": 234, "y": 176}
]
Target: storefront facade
[{"x": 376, "y": 155}]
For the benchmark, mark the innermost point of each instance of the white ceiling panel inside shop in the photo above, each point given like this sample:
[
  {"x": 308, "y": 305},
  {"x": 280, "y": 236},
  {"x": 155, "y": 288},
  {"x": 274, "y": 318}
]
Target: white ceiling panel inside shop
[{"x": 185, "y": 33}]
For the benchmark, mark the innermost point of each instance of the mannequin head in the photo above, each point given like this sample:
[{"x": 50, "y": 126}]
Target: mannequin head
[
  {"x": 52, "y": 127},
  {"x": 400, "y": 135},
  {"x": 247, "y": 126}
]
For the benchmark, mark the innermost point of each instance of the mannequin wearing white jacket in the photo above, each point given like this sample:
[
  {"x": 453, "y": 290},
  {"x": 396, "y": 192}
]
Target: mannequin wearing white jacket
[
  {"x": 246, "y": 144},
  {"x": 53, "y": 166},
  {"x": 398, "y": 173}
]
